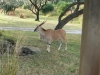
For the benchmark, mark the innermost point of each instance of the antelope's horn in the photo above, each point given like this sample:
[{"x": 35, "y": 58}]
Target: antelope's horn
[{"x": 42, "y": 23}]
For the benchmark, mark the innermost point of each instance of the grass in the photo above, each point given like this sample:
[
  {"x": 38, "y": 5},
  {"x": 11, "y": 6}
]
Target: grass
[
  {"x": 54, "y": 63},
  {"x": 52, "y": 21},
  {"x": 9, "y": 65}
]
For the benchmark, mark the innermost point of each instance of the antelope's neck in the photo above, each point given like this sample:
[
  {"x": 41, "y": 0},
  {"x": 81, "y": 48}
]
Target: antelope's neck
[{"x": 42, "y": 31}]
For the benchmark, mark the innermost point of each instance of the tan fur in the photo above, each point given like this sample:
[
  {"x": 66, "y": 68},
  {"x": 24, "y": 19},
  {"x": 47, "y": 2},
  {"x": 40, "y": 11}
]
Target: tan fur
[
  {"x": 50, "y": 35},
  {"x": 54, "y": 35}
]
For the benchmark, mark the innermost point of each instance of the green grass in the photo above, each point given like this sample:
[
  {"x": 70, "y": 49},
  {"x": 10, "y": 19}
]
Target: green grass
[
  {"x": 15, "y": 21},
  {"x": 62, "y": 62},
  {"x": 8, "y": 65}
]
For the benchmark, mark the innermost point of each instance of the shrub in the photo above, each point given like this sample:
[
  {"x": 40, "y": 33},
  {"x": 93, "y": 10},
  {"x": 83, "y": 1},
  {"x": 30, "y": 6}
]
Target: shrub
[
  {"x": 26, "y": 6},
  {"x": 47, "y": 8},
  {"x": 62, "y": 5},
  {"x": 10, "y": 6}
]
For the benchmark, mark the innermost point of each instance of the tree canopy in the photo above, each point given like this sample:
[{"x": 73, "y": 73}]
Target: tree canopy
[{"x": 10, "y": 5}]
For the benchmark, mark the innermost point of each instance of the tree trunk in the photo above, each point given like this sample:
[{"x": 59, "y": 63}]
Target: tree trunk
[
  {"x": 37, "y": 16},
  {"x": 90, "y": 46},
  {"x": 60, "y": 25}
]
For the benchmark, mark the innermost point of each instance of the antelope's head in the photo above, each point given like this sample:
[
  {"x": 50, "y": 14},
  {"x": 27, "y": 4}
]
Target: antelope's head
[{"x": 38, "y": 26}]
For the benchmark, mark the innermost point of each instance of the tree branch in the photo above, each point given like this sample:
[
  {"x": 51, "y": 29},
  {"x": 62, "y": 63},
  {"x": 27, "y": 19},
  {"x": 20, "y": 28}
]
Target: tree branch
[
  {"x": 61, "y": 23},
  {"x": 31, "y": 9},
  {"x": 34, "y": 3},
  {"x": 67, "y": 9},
  {"x": 43, "y": 4},
  {"x": 73, "y": 15},
  {"x": 77, "y": 8}
]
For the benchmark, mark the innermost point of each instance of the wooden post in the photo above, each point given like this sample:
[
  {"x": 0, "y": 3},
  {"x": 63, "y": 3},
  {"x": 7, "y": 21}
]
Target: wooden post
[{"x": 90, "y": 46}]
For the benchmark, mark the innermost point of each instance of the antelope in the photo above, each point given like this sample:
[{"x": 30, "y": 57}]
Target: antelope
[{"x": 51, "y": 35}]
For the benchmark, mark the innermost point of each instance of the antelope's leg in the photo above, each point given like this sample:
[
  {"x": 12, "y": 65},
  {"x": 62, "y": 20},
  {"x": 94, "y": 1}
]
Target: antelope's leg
[
  {"x": 60, "y": 45},
  {"x": 48, "y": 47},
  {"x": 41, "y": 36},
  {"x": 66, "y": 46},
  {"x": 65, "y": 41}
]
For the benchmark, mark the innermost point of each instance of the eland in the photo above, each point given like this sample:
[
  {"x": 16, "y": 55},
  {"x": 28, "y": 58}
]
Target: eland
[{"x": 51, "y": 35}]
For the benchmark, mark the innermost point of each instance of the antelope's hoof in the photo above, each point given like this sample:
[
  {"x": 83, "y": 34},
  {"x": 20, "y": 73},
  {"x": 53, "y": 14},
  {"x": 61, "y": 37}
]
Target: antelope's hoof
[{"x": 48, "y": 50}]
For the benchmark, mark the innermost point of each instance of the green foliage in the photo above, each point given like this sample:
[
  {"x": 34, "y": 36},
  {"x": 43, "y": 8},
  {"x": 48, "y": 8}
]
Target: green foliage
[
  {"x": 26, "y": 6},
  {"x": 47, "y": 8},
  {"x": 10, "y": 6},
  {"x": 62, "y": 5}
]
